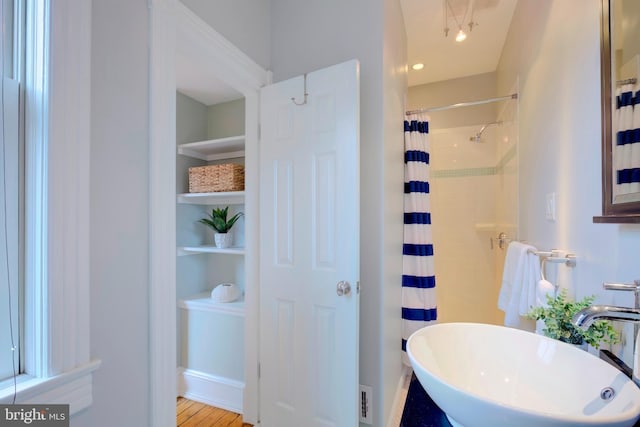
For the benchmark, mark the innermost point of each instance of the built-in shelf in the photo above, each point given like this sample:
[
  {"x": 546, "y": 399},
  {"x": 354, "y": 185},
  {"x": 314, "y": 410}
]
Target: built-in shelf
[
  {"x": 486, "y": 227},
  {"x": 220, "y": 198},
  {"x": 208, "y": 249},
  {"x": 203, "y": 302},
  {"x": 491, "y": 227},
  {"x": 214, "y": 149}
]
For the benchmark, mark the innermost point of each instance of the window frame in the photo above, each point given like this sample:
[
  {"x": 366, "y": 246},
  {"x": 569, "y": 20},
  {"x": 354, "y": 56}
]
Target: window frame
[
  {"x": 13, "y": 191},
  {"x": 57, "y": 363}
]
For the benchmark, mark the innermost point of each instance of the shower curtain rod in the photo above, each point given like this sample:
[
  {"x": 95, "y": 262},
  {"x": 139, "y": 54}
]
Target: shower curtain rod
[{"x": 463, "y": 104}]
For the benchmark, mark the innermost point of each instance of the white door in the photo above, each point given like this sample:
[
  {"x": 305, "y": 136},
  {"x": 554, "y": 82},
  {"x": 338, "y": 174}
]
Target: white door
[{"x": 309, "y": 243}]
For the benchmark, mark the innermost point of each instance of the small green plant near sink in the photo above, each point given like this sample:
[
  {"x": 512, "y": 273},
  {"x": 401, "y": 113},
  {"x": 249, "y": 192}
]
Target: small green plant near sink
[
  {"x": 218, "y": 221},
  {"x": 557, "y": 319}
]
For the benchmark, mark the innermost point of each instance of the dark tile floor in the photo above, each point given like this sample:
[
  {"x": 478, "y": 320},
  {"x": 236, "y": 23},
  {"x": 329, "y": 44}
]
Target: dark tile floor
[{"x": 420, "y": 410}]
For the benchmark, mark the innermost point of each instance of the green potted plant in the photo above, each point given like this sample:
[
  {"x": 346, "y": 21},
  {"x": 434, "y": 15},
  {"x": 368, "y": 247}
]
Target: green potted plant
[
  {"x": 218, "y": 221},
  {"x": 557, "y": 319}
]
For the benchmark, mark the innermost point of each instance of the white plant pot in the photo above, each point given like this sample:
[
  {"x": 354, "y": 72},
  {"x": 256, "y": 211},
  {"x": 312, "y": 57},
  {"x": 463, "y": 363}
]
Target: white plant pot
[{"x": 223, "y": 240}]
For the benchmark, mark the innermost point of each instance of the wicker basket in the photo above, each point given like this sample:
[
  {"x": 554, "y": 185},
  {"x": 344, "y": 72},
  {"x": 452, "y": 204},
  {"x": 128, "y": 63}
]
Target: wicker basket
[{"x": 215, "y": 178}]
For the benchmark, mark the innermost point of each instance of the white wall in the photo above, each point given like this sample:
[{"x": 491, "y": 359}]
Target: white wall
[
  {"x": 394, "y": 78},
  {"x": 246, "y": 23},
  {"x": 119, "y": 215},
  {"x": 191, "y": 126},
  {"x": 553, "y": 47},
  {"x": 308, "y": 35},
  {"x": 191, "y": 271},
  {"x": 226, "y": 119},
  {"x": 447, "y": 92}
]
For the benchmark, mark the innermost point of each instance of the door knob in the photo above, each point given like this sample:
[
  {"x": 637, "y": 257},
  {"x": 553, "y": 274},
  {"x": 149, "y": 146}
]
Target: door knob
[{"x": 343, "y": 288}]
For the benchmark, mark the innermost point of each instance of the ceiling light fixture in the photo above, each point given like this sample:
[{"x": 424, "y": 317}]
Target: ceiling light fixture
[
  {"x": 418, "y": 66},
  {"x": 449, "y": 11}
]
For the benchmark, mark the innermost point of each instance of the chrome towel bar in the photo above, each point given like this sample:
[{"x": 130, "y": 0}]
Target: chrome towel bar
[{"x": 556, "y": 256}]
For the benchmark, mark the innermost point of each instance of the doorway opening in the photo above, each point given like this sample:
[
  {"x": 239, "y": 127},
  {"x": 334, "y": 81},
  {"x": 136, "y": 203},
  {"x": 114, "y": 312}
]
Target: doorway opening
[
  {"x": 474, "y": 202},
  {"x": 189, "y": 57}
]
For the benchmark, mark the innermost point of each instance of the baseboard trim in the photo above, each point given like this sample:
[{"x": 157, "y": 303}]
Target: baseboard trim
[
  {"x": 402, "y": 388},
  {"x": 212, "y": 390}
]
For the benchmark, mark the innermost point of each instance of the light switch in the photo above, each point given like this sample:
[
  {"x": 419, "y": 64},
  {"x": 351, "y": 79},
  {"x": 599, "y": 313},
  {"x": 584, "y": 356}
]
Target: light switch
[{"x": 550, "y": 206}]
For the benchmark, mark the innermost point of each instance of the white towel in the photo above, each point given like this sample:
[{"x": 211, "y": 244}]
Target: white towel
[
  {"x": 519, "y": 281},
  {"x": 511, "y": 264},
  {"x": 544, "y": 288},
  {"x": 530, "y": 279}
]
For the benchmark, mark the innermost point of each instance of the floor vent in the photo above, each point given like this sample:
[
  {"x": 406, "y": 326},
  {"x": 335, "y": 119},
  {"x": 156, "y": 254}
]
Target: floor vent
[{"x": 365, "y": 404}]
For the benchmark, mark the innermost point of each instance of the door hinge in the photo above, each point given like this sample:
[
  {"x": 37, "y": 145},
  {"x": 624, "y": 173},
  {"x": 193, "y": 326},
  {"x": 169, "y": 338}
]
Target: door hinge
[
  {"x": 258, "y": 370},
  {"x": 358, "y": 287}
]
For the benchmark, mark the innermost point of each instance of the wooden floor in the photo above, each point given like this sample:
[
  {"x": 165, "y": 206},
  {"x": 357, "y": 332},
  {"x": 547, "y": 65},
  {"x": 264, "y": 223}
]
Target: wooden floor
[{"x": 192, "y": 414}]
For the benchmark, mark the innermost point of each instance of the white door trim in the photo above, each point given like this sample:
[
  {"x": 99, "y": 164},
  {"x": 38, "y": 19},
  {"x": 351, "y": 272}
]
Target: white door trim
[{"x": 172, "y": 22}]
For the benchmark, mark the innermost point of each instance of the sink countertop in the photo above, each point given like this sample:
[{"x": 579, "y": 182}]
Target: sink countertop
[{"x": 421, "y": 411}]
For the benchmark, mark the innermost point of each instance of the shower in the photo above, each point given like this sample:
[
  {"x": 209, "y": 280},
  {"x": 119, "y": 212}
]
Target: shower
[
  {"x": 474, "y": 195},
  {"x": 476, "y": 137}
]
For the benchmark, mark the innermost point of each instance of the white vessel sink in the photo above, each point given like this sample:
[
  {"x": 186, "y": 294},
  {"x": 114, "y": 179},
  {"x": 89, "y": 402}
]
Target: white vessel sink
[{"x": 490, "y": 376}]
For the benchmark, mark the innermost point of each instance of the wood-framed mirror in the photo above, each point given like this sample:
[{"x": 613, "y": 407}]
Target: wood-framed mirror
[{"x": 620, "y": 69}]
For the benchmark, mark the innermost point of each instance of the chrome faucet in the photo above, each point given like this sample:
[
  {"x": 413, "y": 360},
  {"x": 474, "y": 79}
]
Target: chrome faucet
[{"x": 585, "y": 318}]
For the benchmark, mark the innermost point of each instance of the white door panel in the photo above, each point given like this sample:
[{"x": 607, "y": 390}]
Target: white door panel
[{"x": 309, "y": 241}]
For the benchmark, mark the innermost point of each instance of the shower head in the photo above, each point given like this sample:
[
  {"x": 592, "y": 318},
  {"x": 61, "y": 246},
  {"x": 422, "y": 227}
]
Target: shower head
[{"x": 477, "y": 136}]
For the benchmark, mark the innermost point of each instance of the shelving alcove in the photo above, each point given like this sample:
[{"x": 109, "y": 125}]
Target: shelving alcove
[
  {"x": 202, "y": 314},
  {"x": 212, "y": 150}
]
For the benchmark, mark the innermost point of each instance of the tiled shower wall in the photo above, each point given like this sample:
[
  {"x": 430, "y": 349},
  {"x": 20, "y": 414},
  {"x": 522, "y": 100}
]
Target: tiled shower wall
[{"x": 473, "y": 198}]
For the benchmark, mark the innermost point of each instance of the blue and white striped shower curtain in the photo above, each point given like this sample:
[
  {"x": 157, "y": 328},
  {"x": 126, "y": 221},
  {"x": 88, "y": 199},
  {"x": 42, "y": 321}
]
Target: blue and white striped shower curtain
[
  {"x": 627, "y": 149},
  {"x": 418, "y": 278}
]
